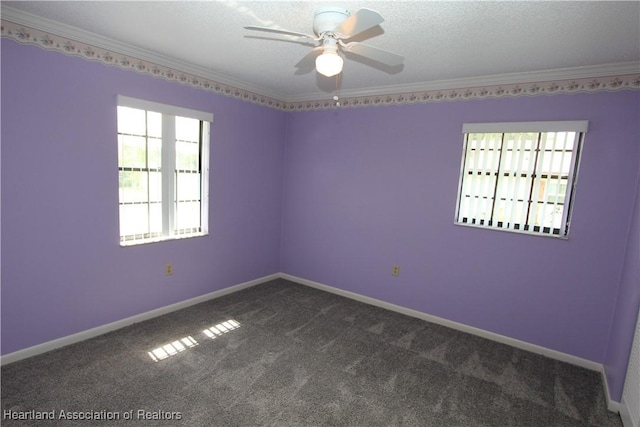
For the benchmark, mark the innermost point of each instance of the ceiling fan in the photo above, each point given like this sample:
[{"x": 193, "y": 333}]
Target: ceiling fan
[{"x": 332, "y": 26}]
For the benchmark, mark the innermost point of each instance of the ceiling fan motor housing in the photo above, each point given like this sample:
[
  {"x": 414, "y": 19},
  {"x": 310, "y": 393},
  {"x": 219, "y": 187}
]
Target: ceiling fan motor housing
[{"x": 326, "y": 19}]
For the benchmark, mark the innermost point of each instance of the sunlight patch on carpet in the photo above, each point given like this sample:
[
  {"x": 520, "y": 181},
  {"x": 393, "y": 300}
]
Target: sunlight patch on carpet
[
  {"x": 178, "y": 346},
  {"x": 221, "y": 328},
  {"x": 172, "y": 348}
]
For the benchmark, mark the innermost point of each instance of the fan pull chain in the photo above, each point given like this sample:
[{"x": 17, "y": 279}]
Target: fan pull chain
[{"x": 336, "y": 97}]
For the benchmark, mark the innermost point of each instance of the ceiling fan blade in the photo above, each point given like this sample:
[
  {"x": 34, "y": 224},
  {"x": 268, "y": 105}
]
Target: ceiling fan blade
[
  {"x": 308, "y": 62},
  {"x": 358, "y": 22},
  {"x": 274, "y": 30},
  {"x": 383, "y": 56}
]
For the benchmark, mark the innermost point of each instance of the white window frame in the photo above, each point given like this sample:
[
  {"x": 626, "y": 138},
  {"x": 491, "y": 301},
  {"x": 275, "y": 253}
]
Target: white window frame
[
  {"x": 168, "y": 167},
  {"x": 579, "y": 127}
]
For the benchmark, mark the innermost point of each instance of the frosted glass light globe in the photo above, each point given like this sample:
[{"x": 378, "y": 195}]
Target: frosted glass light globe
[{"x": 329, "y": 63}]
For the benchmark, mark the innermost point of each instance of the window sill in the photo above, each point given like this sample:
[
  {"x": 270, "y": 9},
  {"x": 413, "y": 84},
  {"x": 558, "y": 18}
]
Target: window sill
[
  {"x": 511, "y": 230},
  {"x": 161, "y": 239}
]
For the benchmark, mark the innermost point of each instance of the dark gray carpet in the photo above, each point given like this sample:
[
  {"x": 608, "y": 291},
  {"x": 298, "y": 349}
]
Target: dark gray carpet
[{"x": 304, "y": 357}]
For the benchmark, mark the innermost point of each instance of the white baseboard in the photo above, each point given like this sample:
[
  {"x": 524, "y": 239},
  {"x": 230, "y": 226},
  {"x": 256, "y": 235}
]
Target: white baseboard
[
  {"x": 523, "y": 345},
  {"x": 612, "y": 405},
  {"x": 100, "y": 330}
]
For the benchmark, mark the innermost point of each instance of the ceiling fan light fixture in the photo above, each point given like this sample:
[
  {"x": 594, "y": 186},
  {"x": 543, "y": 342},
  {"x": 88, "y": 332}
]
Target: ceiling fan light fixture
[{"x": 329, "y": 63}]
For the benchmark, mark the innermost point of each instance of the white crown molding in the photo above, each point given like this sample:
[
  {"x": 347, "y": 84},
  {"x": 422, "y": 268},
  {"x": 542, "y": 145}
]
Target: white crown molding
[{"x": 26, "y": 28}]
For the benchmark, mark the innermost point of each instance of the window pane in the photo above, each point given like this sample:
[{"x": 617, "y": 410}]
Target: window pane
[
  {"x": 549, "y": 215},
  {"x": 188, "y": 186},
  {"x": 187, "y": 129},
  {"x": 464, "y": 209},
  {"x": 133, "y": 187},
  {"x": 134, "y": 219},
  {"x": 188, "y": 215},
  {"x": 555, "y": 191},
  {"x": 542, "y": 214},
  {"x": 513, "y": 188},
  {"x": 484, "y": 151},
  {"x": 154, "y": 124},
  {"x": 478, "y": 190},
  {"x": 155, "y": 218},
  {"x": 519, "y": 213},
  {"x": 187, "y": 144},
  {"x": 558, "y": 152},
  {"x": 560, "y": 140},
  {"x": 154, "y": 149},
  {"x": 552, "y": 164},
  {"x": 187, "y": 155},
  {"x": 518, "y": 161},
  {"x": 132, "y": 151},
  {"x": 155, "y": 187},
  {"x": 131, "y": 121}
]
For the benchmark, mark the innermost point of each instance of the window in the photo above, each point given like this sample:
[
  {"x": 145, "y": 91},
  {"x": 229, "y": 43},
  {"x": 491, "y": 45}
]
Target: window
[
  {"x": 519, "y": 176},
  {"x": 163, "y": 165}
]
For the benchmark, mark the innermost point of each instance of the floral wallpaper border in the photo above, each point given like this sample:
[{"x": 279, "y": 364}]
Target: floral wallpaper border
[
  {"x": 613, "y": 83},
  {"x": 64, "y": 45}
]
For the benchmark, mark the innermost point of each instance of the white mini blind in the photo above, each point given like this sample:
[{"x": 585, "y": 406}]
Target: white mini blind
[{"x": 519, "y": 176}]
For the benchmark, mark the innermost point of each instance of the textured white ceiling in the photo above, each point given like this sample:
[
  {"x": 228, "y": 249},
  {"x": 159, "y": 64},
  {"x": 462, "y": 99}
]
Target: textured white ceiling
[{"x": 441, "y": 40}]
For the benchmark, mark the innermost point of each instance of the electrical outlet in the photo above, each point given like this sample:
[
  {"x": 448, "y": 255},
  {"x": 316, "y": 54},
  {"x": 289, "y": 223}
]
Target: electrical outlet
[
  {"x": 168, "y": 269},
  {"x": 396, "y": 270}
]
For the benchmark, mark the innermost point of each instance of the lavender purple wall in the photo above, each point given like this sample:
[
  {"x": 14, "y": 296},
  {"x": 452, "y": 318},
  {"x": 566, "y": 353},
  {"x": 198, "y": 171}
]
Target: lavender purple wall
[
  {"x": 63, "y": 270},
  {"x": 626, "y": 309},
  {"x": 368, "y": 188}
]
